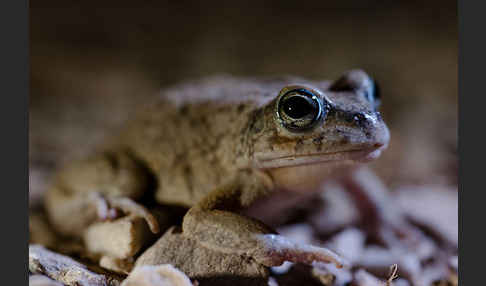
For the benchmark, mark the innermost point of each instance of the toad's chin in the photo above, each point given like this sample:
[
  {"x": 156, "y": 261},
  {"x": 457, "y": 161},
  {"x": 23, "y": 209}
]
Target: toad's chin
[{"x": 345, "y": 157}]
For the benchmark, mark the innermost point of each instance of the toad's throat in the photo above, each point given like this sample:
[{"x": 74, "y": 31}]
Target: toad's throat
[{"x": 349, "y": 156}]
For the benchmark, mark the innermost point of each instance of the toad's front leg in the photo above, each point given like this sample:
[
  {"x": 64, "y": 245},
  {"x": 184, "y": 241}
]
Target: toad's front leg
[
  {"x": 213, "y": 225},
  {"x": 101, "y": 187},
  {"x": 96, "y": 199}
]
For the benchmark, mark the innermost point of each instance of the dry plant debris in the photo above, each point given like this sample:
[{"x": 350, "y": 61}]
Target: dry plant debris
[
  {"x": 65, "y": 269},
  {"x": 427, "y": 260}
]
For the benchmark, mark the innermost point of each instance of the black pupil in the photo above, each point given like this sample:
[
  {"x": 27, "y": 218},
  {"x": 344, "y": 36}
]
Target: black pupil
[{"x": 298, "y": 107}]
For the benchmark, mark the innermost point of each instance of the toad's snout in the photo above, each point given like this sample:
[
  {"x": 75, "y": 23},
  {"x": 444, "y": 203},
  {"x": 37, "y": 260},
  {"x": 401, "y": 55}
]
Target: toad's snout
[{"x": 379, "y": 140}]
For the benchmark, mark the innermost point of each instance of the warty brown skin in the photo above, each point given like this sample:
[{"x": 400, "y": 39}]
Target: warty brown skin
[{"x": 216, "y": 145}]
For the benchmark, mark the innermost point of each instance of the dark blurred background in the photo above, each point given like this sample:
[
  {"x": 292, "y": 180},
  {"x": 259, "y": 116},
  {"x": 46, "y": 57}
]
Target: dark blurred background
[{"x": 90, "y": 63}]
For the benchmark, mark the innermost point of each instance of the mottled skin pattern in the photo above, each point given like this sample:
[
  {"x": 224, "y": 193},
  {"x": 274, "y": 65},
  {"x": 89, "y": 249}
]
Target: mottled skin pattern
[{"x": 216, "y": 145}]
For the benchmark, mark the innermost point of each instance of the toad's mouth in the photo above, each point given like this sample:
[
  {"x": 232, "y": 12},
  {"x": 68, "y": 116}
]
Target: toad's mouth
[{"x": 349, "y": 156}]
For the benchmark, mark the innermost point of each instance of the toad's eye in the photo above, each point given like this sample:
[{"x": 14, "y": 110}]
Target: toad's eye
[{"x": 299, "y": 109}]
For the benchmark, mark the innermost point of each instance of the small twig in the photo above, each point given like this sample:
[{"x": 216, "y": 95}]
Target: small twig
[{"x": 393, "y": 274}]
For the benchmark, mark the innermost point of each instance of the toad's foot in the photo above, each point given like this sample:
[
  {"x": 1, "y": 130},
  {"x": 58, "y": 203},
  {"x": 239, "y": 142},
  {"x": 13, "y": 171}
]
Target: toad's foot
[
  {"x": 232, "y": 233},
  {"x": 107, "y": 210},
  {"x": 273, "y": 250}
]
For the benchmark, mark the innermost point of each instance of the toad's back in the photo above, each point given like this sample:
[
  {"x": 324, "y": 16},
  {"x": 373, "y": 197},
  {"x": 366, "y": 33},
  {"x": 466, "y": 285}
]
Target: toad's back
[{"x": 192, "y": 137}]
